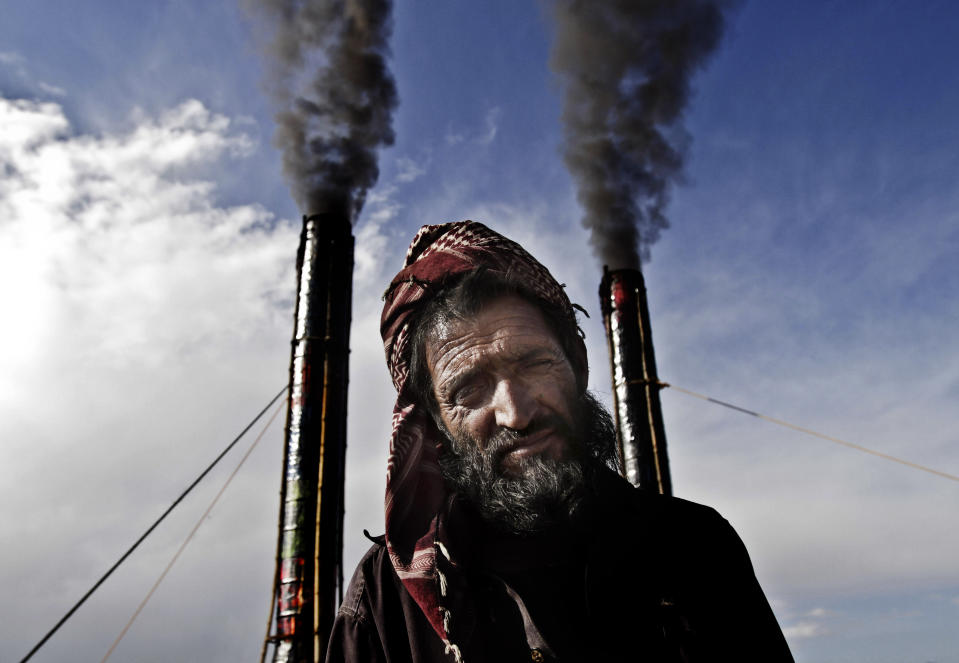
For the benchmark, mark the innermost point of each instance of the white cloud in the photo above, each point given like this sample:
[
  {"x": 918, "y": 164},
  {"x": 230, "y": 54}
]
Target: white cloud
[
  {"x": 52, "y": 90},
  {"x": 108, "y": 228},
  {"x": 805, "y": 624},
  {"x": 492, "y": 126},
  {"x": 13, "y": 60},
  {"x": 144, "y": 324},
  {"x": 453, "y": 137},
  {"x": 483, "y": 136},
  {"x": 408, "y": 170},
  {"x": 803, "y": 629},
  {"x": 17, "y": 64}
]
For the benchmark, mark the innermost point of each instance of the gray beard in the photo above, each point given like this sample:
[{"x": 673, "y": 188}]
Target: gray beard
[{"x": 545, "y": 492}]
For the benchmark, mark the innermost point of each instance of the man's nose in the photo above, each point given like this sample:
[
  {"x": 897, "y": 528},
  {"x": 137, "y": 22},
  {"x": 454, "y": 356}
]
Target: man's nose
[{"x": 513, "y": 404}]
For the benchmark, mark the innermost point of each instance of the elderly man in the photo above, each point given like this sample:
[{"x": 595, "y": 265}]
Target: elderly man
[{"x": 508, "y": 537}]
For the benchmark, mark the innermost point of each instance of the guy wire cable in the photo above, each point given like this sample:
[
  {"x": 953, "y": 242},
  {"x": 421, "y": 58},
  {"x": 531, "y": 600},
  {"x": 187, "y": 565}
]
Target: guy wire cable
[
  {"x": 786, "y": 424},
  {"x": 152, "y": 527},
  {"x": 186, "y": 542}
]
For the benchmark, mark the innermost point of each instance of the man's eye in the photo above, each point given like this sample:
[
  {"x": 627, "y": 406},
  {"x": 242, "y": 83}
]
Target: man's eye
[
  {"x": 543, "y": 362},
  {"x": 470, "y": 394},
  {"x": 466, "y": 395}
]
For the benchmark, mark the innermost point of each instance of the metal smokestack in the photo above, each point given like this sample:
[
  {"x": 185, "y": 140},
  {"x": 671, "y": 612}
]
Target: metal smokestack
[
  {"x": 309, "y": 551},
  {"x": 334, "y": 97},
  {"x": 639, "y": 417}
]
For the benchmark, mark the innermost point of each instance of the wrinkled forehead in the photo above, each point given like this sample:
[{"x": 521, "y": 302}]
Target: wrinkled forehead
[
  {"x": 489, "y": 313},
  {"x": 506, "y": 329}
]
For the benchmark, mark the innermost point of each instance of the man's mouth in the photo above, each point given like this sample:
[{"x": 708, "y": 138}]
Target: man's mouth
[{"x": 544, "y": 441}]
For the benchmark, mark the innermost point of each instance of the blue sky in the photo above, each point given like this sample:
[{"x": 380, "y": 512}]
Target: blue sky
[{"x": 146, "y": 275}]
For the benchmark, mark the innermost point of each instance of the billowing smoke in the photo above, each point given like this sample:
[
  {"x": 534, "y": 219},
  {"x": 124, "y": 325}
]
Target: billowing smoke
[
  {"x": 334, "y": 93},
  {"x": 627, "y": 66}
]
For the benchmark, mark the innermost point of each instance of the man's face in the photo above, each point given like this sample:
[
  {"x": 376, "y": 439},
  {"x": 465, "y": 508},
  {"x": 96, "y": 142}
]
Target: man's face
[{"x": 502, "y": 380}]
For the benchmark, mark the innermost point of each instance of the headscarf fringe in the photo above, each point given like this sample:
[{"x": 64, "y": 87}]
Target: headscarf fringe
[{"x": 454, "y": 650}]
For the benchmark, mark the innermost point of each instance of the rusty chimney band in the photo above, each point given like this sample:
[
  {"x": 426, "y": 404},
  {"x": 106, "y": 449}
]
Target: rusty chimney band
[
  {"x": 639, "y": 417},
  {"x": 311, "y": 511}
]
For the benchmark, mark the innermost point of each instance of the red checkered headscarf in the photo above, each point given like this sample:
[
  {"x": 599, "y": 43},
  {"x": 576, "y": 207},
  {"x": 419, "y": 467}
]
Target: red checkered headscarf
[{"x": 415, "y": 491}]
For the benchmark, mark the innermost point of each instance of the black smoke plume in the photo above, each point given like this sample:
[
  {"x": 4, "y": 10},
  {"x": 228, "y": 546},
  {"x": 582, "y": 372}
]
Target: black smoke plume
[
  {"x": 627, "y": 65},
  {"x": 335, "y": 95}
]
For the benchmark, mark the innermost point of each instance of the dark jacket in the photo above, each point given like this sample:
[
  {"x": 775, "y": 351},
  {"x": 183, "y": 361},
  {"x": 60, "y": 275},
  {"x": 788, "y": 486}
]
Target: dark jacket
[{"x": 645, "y": 578}]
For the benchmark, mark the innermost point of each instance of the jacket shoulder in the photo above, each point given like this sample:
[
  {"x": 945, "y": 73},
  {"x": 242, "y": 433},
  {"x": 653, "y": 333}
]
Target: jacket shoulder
[
  {"x": 703, "y": 578},
  {"x": 366, "y": 581},
  {"x": 660, "y": 512},
  {"x": 687, "y": 535}
]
